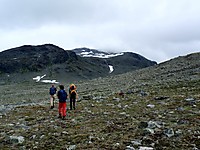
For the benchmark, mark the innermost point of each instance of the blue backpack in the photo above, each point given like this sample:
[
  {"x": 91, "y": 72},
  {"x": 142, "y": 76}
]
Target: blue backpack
[{"x": 62, "y": 95}]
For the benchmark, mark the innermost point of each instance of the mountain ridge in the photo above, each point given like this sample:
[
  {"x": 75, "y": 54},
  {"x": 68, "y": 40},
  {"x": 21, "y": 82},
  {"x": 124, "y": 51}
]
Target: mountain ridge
[{"x": 57, "y": 63}]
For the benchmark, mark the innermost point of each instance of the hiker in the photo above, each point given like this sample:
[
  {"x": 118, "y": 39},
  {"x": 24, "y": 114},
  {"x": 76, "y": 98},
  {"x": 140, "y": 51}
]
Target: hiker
[
  {"x": 62, "y": 96},
  {"x": 52, "y": 92},
  {"x": 73, "y": 96}
]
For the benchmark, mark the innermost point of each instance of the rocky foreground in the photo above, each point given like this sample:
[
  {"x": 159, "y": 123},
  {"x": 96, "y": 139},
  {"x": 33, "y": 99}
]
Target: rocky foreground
[{"x": 152, "y": 108}]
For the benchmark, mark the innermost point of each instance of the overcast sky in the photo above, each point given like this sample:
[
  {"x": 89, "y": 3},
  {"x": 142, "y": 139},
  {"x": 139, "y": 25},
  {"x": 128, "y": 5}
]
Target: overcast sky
[{"x": 156, "y": 29}]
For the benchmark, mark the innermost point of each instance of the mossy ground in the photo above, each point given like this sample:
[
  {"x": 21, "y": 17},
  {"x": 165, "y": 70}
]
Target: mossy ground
[{"x": 111, "y": 123}]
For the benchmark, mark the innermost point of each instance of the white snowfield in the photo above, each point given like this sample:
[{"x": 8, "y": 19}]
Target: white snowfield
[
  {"x": 38, "y": 79},
  {"x": 99, "y": 55},
  {"x": 111, "y": 68},
  {"x": 49, "y": 81}
]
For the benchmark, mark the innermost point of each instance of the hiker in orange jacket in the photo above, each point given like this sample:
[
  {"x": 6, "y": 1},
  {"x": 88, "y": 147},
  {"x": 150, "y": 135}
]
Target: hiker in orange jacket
[{"x": 73, "y": 96}]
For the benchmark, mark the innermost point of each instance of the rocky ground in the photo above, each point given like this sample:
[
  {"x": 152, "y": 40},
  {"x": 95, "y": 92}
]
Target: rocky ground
[{"x": 152, "y": 108}]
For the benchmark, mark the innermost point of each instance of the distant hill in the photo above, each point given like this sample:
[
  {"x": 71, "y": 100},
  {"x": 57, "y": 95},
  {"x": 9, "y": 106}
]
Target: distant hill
[
  {"x": 181, "y": 73},
  {"x": 25, "y": 62}
]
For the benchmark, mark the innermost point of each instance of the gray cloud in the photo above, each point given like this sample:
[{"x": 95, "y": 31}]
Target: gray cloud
[{"x": 158, "y": 30}]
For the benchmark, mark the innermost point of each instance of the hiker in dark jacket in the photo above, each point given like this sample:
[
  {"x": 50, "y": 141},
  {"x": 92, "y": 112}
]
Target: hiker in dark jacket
[
  {"x": 52, "y": 92},
  {"x": 62, "y": 96},
  {"x": 73, "y": 96}
]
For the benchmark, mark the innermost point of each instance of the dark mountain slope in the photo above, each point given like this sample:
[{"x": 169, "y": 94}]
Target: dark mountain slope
[
  {"x": 26, "y": 62},
  {"x": 33, "y": 58},
  {"x": 129, "y": 62},
  {"x": 121, "y": 62}
]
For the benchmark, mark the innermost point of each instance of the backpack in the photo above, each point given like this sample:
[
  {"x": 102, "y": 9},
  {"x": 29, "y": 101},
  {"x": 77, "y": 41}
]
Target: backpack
[
  {"x": 73, "y": 92},
  {"x": 62, "y": 95},
  {"x": 52, "y": 91},
  {"x": 72, "y": 87}
]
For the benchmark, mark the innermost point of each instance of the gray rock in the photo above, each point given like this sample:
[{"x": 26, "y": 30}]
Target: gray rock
[
  {"x": 16, "y": 139},
  {"x": 153, "y": 125},
  {"x": 130, "y": 148},
  {"x": 72, "y": 147},
  {"x": 150, "y": 105},
  {"x": 136, "y": 142},
  {"x": 169, "y": 132},
  {"x": 149, "y": 131},
  {"x": 190, "y": 99}
]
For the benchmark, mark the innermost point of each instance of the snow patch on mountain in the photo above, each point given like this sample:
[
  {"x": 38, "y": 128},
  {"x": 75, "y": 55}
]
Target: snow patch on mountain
[
  {"x": 49, "y": 81},
  {"x": 95, "y": 53},
  {"x": 38, "y": 79},
  {"x": 111, "y": 68},
  {"x": 99, "y": 55}
]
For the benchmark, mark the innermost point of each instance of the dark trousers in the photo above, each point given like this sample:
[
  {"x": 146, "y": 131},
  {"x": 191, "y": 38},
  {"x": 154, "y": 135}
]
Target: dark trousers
[{"x": 72, "y": 102}]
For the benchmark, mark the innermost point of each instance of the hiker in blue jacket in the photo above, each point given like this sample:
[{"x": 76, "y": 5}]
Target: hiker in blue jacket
[
  {"x": 62, "y": 96},
  {"x": 52, "y": 92}
]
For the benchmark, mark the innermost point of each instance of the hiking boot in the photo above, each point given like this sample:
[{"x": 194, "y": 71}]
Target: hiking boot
[
  {"x": 63, "y": 118},
  {"x": 51, "y": 107},
  {"x": 59, "y": 116}
]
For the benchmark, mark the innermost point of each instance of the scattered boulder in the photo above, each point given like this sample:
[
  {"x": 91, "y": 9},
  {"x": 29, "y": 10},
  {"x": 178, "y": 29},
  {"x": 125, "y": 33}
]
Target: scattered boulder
[
  {"x": 72, "y": 147},
  {"x": 150, "y": 105},
  {"x": 17, "y": 139},
  {"x": 169, "y": 132},
  {"x": 190, "y": 101}
]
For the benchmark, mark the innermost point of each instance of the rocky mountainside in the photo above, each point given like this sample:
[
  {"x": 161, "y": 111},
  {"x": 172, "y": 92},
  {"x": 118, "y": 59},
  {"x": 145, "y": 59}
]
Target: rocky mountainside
[
  {"x": 157, "y": 107},
  {"x": 121, "y": 62},
  {"x": 25, "y": 62},
  {"x": 33, "y": 58}
]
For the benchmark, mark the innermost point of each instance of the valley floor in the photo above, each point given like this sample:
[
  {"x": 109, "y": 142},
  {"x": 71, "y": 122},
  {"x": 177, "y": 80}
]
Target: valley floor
[{"x": 151, "y": 115}]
